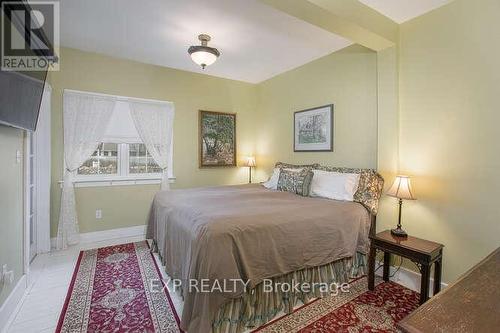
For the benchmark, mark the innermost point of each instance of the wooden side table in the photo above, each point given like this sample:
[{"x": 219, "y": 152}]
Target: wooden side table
[
  {"x": 422, "y": 252},
  {"x": 470, "y": 304}
]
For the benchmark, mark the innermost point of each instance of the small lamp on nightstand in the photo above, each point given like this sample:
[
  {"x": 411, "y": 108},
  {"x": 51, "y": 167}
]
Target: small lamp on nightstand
[
  {"x": 401, "y": 189},
  {"x": 250, "y": 163}
]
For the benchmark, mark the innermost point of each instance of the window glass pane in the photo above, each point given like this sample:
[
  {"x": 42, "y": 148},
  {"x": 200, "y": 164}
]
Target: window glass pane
[
  {"x": 137, "y": 164},
  {"x": 104, "y": 161},
  {"x": 152, "y": 166},
  {"x": 32, "y": 229},
  {"x": 142, "y": 149},
  {"x": 133, "y": 149},
  {"x": 32, "y": 145},
  {"x": 32, "y": 198},
  {"x": 140, "y": 161},
  {"x": 32, "y": 169}
]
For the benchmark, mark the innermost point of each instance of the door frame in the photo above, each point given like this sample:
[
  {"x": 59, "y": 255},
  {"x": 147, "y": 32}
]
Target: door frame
[
  {"x": 28, "y": 137},
  {"x": 26, "y": 194}
]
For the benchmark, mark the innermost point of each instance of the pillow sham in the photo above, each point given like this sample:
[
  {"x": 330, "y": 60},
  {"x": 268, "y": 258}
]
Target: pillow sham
[
  {"x": 334, "y": 185},
  {"x": 272, "y": 183},
  {"x": 298, "y": 182},
  {"x": 370, "y": 185}
]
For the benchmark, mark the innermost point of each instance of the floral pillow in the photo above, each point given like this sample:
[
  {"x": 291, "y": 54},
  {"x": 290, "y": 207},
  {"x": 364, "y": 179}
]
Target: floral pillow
[{"x": 297, "y": 182}]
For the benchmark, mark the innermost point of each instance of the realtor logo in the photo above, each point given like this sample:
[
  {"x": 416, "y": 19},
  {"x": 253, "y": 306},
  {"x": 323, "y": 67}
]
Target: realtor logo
[{"x": 30, "y": 34}]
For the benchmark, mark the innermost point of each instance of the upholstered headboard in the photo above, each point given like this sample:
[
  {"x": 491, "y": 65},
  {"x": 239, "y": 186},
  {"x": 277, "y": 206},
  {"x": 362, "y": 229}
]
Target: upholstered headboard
[
  {"x": 370, "y": 184},
  {"x": 295, "y": 166}
]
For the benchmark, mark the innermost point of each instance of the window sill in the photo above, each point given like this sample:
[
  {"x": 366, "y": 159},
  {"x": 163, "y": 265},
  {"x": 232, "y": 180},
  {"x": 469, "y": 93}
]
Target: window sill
[{"x": 117, "y": 181}]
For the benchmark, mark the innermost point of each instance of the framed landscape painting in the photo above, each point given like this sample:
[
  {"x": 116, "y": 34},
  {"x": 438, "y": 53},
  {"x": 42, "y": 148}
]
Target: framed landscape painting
[
  {"x": 313, "y": 129},
  {"x": 217, "y": 139}
]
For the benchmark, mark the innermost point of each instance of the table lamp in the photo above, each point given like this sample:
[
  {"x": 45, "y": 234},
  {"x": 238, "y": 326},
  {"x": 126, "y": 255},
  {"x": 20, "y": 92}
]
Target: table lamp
[
  {"x": 250, "y": 162},
  {"x": 401, "y": 189}
]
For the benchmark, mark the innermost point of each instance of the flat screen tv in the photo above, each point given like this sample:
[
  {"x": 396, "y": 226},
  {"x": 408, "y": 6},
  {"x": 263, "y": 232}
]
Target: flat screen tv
[
  {"x": 21, "y": 91},
  {"x": 20, "y": 97}
]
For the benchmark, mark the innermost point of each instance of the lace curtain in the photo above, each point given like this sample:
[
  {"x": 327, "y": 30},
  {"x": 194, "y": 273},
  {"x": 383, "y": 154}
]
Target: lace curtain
[
  {"x": 154, "y": 123},
  {"x": 85, "y": 120}
]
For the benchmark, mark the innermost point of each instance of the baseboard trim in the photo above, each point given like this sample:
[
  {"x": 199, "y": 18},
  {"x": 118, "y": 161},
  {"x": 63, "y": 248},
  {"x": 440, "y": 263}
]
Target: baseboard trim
[
  {"x": 409, "y": 279},
  {"x": 99, "y": 236},
  {"x": 12, "y": 304}
]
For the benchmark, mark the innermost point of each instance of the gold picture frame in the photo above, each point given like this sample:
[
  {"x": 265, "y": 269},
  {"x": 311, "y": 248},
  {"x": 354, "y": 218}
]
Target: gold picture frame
[{"x": 217, "y": 139}]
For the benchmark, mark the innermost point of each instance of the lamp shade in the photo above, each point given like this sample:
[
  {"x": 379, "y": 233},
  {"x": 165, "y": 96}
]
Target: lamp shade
[
  {"x": 204, "y": 57},
  {"x": 202, "y": 54},
  {"x": 250, "y": 161},
  {"x": 401, "y": 188}
]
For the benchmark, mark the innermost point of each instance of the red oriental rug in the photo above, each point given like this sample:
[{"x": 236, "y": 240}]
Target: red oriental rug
[
  {"x": 110, "y": 292},
  {"x": 358, "y": 311}
]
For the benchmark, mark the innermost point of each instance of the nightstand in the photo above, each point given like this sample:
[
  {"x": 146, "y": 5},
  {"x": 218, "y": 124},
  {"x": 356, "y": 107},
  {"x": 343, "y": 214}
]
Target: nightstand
[{"x": 422, "y": 252}]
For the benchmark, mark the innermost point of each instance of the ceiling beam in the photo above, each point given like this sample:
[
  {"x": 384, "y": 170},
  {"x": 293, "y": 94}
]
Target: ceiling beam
[{"x": 347, "y": 18}]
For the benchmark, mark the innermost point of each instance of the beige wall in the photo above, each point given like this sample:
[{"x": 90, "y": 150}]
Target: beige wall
[
  {"x": 426, "y": 108},
  {"x": 350, "y": 83},
  {"x": 11, "y": 206},
  {"x": 449, "y": 120},
  {"x": 348, "y": 79},
  {"x": 387, "y": 131},
  {"x": 128, "y": 205}
]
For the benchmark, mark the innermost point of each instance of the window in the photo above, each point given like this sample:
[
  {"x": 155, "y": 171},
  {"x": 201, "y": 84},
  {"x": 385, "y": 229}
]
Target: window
[
  {"x": 119, "y": 161},
  {"x": 104, "y": 161},
  {"x": 122, "y": 157},
  {"x": 140, "y": 161}
]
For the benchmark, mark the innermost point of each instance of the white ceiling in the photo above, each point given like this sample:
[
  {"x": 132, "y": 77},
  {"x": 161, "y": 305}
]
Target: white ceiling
[
  {"x": 403, "y": 10},
  {"x": 256, "y": 41}
]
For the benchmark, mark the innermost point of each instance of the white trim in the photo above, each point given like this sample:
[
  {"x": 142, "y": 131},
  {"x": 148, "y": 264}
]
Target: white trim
[
  {"x": 116, "y": 177},
  {"x": 409, "y": 279},
  {"x": 12, "y": 304},
  {"x": 122, "y": 177},
  {"x": 28, "y": 137},
  {"x": 99, "y": 236},
  {"x": 117, "y": 181},
  {"x": 117, "y": 97},
  {"x": 42, "y": 139}
]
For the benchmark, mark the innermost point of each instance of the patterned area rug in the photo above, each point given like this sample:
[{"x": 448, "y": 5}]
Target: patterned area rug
[
  {"x": 110, "y": 292},
  {"x": 358, "y": 310}
]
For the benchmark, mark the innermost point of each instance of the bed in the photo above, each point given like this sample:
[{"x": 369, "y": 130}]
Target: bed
[{"x": 251, "y": 233}]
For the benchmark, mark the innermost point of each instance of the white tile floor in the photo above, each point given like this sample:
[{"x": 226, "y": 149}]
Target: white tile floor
[{"x": 50, "y": 278}]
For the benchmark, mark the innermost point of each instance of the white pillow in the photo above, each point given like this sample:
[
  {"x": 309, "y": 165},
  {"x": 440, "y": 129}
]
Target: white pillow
[
  {"x": 334, "y": 185},
  {"x": 272, "y": 183}
]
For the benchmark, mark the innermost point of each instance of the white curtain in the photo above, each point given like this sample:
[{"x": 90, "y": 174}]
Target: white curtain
[
  {"x": 154, "y": 122},
  {"x": 85, "y": 120}
]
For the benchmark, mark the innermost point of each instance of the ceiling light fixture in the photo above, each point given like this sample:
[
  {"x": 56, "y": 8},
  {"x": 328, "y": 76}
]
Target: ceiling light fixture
[{"x": 202, "y": 54}]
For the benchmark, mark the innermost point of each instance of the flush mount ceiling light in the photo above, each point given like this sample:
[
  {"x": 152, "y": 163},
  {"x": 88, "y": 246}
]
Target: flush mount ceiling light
[{"x": 202, "y": 54}]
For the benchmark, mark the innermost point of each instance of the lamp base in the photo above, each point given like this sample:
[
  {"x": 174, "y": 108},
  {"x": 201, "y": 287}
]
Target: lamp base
[{"x": 398, "y": 232}]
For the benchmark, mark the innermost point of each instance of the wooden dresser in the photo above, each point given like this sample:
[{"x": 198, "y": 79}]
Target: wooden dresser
[{"x": 471, "y": 304}]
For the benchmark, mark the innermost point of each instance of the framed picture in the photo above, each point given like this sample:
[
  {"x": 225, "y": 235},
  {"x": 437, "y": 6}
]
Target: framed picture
[
  {"x": 217, "y": 139},
  {"x": 313, "y": 129}
]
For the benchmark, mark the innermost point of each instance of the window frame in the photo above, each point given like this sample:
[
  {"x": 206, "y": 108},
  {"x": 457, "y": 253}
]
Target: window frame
[{"x": 123, "y": 176}]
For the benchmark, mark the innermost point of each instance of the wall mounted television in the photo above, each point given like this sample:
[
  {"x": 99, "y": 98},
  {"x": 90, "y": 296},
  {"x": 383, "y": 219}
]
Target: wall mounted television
[
  {"x": 21, "y": 91},
  {"x": 20, "y": 97}
]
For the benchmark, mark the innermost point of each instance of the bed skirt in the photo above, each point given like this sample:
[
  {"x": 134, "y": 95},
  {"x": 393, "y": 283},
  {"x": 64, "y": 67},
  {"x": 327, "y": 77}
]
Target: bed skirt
[{"x": 258, "y": 307}]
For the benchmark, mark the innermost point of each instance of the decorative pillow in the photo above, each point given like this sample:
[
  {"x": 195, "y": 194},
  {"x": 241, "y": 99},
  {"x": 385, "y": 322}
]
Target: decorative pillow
[
  {"x": 295, "y": 182},
  {"x": 369, "y": 189},
  {"x": 272, "y": 183},
  {"x": 334, "y": 185}
]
